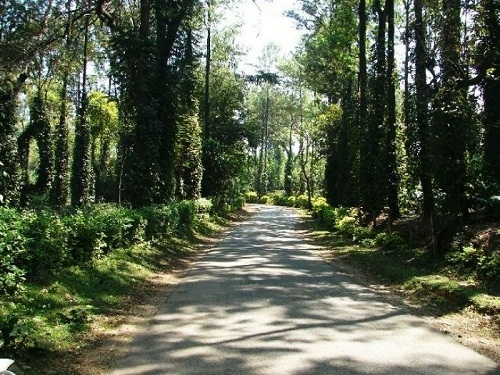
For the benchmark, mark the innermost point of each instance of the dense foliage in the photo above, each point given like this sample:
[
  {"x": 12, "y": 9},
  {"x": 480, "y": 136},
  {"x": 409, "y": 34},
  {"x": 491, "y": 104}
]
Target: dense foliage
[{"x": 117, "y": 117}]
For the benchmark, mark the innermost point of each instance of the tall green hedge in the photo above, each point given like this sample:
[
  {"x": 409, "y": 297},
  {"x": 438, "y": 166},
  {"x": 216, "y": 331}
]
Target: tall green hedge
[{"x": 34, "y": 243}]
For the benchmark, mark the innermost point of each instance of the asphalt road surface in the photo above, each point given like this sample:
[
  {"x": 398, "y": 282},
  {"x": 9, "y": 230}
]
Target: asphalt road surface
[{"x": 262, "y": 302}]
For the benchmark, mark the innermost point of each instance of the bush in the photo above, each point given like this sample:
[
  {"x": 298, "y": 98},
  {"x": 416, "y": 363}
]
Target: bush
[
  {"x": 204, "y": 206},
  {"x": 251, "y": 197},
  {"x": 116, "y": 223},
  {"x": 13, "y": 245},
  {"x": 48, "y": 243},
  {"x": 159, "y": 220},
  {"x": 187, "y": 213},
  {"x": 13, "y": 329},
  {"x": 477, "y": 261},
  {"x": 390, "y": 241},
  {"x": 265, "y": 199},
  {"x": 347, "y": 224},
  {"x": 238, "y": 203},
  {"x": 86, "y": 239},
  {"x": 302, "y": 201},
  {"x": 323, "y": 212},
  {"x": 279, "y": 198}
]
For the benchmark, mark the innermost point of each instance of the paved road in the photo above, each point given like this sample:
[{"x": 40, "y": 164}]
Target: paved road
[{"x": 261, "y": 302}]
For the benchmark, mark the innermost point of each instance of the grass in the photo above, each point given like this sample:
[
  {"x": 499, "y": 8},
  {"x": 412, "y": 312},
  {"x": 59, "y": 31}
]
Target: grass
[{"x": 55, "y": 313}]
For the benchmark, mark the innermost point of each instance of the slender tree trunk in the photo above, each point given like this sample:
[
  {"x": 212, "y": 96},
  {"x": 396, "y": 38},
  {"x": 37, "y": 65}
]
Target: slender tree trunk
[
  {"x": 393, "y": 178},
  {"x": 207, "y": 68},
  {"x": 60, "y": 189},
  {"x": 362, "y": 110},
  {"x": 376, "y": 192},
  {"x": 9, "y": 169},
  {"x": 451, "y": 119},
  {"x": 422, "y": 117},
  {"x": 491, "y": 120},
  {"x": 81, "y": 180},
  {"x": 289, "y": 163}
]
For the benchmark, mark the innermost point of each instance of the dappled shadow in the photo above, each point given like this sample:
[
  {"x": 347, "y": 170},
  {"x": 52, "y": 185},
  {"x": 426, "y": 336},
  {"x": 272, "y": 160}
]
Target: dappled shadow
[
  {"x": 382, "y": 267},
  {"x": 261, "y": 302}
]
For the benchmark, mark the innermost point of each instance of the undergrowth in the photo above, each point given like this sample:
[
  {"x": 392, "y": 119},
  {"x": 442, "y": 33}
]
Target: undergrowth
[{"x": 61, "y": 272}]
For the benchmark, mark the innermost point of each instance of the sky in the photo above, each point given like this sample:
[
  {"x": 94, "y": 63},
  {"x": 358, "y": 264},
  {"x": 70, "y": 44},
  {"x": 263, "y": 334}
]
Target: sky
[{"x": 264, "y": 22}]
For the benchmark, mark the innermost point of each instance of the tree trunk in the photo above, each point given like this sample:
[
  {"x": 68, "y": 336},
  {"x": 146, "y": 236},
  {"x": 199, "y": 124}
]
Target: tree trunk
[
  {"x": 450, "y": 117},
  {"x": 364, "y": 166},
  {"x": 393, "y": 178},
  {"x": 491, "y": 87},
  {"x": 9, "y": 166},
  {"x": 81, "y": 179},
  {"x": 60, "y": 188},
  {"x": 207, "y": 68},
  {"x": 422, "y": 117}
]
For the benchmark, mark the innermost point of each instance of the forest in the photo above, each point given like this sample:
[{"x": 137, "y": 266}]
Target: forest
[{"x": 128, "y": 118}]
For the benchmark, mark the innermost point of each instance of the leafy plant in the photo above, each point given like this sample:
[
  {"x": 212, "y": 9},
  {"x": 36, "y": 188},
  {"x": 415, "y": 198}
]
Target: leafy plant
[
  {"x": 251, "y": 197},
  {"x": 13, "y": 250},
  {"x": 12, "y": 328},
  {"x": 390, "y": 241}
]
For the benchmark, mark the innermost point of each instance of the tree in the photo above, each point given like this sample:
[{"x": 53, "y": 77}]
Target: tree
[
  {"x": 491, "y": 88},
  {"x": 364, "y": 166},
  {"x": 39, "y": 129},
  {"x": 10, "y": 180},
  {"x": 189, "y": 143},
  {"x": 390, "y": 151},
  {"x": 81, "y": 174},
  {"x": 103, "y": 121},
  {"x": 449, "y": 118},
  {"x": 223, "y": 146}
]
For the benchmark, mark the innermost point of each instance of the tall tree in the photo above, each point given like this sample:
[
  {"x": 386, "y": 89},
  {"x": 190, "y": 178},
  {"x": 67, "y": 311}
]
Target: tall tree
[
  {"x": 365, "y": 161},
  {"x": 189, "y": 163},
  {"x": 40, "y": 131},
  {"x": 422, "y": 116},
  {"x": 9, "y": 162},
  {"x": 491, "y": 89},
  {"x": 391, "y": 160},
  {"x": 450, "y": 116},
  {"x": 81, "y": 177}
]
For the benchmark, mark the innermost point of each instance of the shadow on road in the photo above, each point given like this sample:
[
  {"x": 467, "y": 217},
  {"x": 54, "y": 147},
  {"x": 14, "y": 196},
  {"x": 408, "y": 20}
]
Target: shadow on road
[{"x": 261, "y": 302}]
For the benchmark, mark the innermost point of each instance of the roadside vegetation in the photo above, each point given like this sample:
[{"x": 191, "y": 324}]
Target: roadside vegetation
[
  {"x": 63, "y": 273},
  {"x": 116, "y": 118}
]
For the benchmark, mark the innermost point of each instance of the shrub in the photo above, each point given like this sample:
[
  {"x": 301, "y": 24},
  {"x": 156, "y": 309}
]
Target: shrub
[
  {"x": 475, "y": 260},
  {"x": 323, "y": 212},
  {"x": 48, "y": 242},
  {"x": 86, "y": 240},
  {"x": 390, "y": 241},
  {"x": 13, "y": 329},
  {"x": 238, "y": 203},
  {"x": 279, "y": 198},
  {"x": 346, "y": 225},
  {"x": 301, "y": 201},
  {"x": 204, "y": 206},
  {"x": 251, "y": 197},
  {"x": 13, "y": 245},
  {"x": 265, "y": 199},
  {"x": 362, "y": 233},
  {"x": 187, "y": 212},
  {"x": 157, "y": 221}
]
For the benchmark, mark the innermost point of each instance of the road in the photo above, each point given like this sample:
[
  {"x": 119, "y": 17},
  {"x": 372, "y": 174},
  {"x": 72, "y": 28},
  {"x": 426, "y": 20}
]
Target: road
[{"x": 262, "y": 302}]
